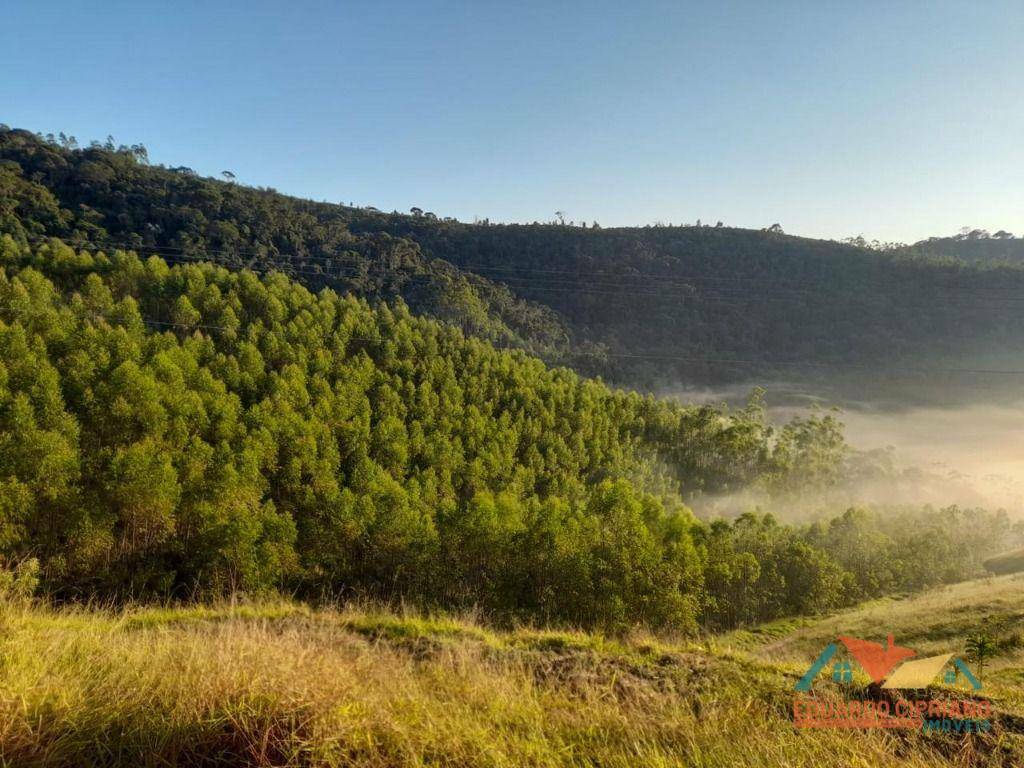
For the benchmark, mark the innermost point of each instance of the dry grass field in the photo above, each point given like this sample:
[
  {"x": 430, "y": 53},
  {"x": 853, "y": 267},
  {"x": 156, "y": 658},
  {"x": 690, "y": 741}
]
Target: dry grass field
[{"x": 282, "y": 685}]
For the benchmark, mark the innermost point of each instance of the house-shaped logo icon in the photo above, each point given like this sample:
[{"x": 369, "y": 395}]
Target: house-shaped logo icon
[{"x": 879, "y": 661}]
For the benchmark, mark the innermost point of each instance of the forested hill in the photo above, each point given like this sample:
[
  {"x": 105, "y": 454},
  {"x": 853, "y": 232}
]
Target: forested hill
[
  {"x": 187, "y": 430},
  {"x": 642, "y": 306},
  {"x": 703, "y": 303},
  {"x": 975, "y": 246},
  {"x": 110, "y": 197}
]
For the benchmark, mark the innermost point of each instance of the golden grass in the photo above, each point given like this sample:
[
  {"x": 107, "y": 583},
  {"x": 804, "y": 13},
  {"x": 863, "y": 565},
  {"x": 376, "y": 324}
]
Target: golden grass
[
  {"x": 281, "y": 685},
  {"x": 936, "y": 621}
]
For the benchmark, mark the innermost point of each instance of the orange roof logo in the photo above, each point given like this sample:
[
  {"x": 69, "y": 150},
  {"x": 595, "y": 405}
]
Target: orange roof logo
[
  {"x": 879, "y": 661},
  {"x": 875, "y": 659}
]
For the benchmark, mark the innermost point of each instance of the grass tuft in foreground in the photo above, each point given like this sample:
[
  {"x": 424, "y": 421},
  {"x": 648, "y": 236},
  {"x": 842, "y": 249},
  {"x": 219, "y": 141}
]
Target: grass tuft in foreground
[{"x": 282, "y": 685}]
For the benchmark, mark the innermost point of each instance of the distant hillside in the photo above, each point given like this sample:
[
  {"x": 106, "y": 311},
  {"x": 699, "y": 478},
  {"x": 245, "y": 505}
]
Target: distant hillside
[
  {"x": 649, "y": 306},
  {"x": 976, "y": 246},
  {"x": 718, "y": 303},
  {"x": 109, "y": 197}
]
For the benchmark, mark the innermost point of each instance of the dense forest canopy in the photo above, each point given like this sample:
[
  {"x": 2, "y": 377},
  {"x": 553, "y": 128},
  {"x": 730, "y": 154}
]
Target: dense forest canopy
[
  {"x": 207, "y": 388},
  {"x": 648, "y": 306},
  {"x": 183, "y": 430}
]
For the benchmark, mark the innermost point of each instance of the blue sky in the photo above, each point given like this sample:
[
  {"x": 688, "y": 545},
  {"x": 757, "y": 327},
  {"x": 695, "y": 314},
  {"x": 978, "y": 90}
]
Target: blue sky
[{"x": 893, "y": 120}]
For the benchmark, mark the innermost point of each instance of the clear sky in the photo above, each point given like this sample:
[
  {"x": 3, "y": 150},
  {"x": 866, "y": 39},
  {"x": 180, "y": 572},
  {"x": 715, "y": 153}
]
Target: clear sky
[{"x": 895, "y": 120}]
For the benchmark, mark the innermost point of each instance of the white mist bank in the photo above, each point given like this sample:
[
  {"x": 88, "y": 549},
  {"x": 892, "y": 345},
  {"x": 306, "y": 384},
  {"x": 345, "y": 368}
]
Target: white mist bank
[
  {"x": 970, "y": 455},
  {"x": 979, "y": 448}
]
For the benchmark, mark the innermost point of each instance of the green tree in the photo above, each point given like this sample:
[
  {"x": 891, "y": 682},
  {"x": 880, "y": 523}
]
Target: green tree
[{"x": 981, "y": 647}]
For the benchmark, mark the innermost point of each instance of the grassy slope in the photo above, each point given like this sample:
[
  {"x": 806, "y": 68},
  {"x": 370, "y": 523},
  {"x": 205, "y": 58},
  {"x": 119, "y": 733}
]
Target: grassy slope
[
  {"x": 1009, "y": 562},
  {"x": 934, "y": 622},
  {"x": 282, "y": 685}
]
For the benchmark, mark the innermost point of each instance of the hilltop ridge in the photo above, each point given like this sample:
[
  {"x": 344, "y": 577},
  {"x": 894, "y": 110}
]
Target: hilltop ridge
[{"x": 647, "y": 306}]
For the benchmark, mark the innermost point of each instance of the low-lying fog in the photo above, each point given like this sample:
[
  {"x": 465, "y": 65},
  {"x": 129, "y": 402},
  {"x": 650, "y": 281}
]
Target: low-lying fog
[
  {"x": 966, "y": 454},
  {"x": 985, "y": 443}
]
